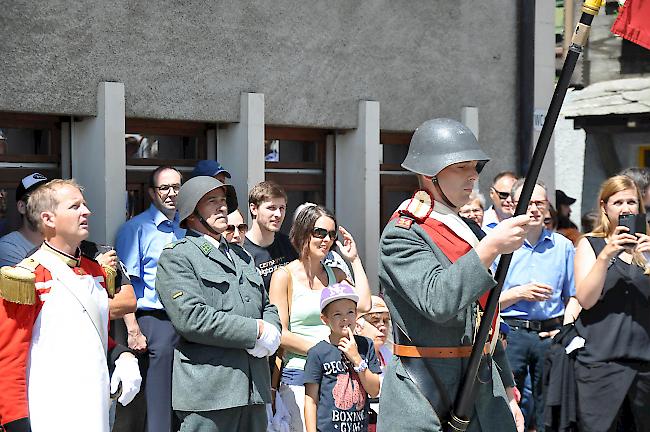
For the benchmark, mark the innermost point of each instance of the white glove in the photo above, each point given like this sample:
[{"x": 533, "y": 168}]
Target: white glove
[
  {"x": 128, "y": 373},
  {"x": 270, "y": 338},
  {"x": 267, "y": 343},
  {"x": 258, "y": 350}
]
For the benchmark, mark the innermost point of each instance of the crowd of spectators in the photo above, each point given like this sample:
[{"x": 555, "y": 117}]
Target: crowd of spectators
[{"x": 307, "y": 300}]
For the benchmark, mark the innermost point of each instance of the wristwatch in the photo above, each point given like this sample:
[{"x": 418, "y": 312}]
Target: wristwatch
[{"x": 362, "y": 366}]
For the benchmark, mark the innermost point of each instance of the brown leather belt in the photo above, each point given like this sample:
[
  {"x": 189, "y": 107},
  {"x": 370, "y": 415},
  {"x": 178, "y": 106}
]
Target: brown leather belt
[{"x": 435, "y": 352}]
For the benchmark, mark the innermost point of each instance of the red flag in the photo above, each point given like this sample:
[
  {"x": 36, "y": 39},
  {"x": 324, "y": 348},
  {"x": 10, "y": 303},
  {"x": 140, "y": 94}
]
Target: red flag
[{"x": 633, "y": 22}]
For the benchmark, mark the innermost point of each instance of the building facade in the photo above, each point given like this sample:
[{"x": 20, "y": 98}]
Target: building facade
[
  {"x": 320, "y": 96},
  {"x": 605, "y": 122}
]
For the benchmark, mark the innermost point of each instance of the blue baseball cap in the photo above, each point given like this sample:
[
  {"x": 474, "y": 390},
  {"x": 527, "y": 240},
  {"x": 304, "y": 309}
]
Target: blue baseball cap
[{"x": 209, "y": 168}]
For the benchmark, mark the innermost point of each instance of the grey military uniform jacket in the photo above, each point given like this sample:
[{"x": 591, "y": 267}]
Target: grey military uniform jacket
[
  {"x": 214, "y": 303},
  {"x": 433, "y": 300}
]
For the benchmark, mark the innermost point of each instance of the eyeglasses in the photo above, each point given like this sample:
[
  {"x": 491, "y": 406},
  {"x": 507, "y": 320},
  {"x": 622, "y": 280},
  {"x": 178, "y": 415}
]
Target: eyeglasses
[
  {"x": 502, "y": 195},
  {"x": 540, "y": 204},
  {"x": 321, "y": 233},
  {"x": 242, "y": 228},
  {"x": 165, "y": 188}
]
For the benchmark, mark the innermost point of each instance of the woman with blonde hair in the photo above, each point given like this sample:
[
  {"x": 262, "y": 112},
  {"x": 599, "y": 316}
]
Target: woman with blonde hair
[
  {"x": 295, "y": 290},
  {"x": 613, "y": 287}
]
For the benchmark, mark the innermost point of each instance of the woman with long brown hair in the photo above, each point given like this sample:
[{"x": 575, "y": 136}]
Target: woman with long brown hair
[
  {"x": 613, "y": 287},
  {"x": 296, "y": 288}
]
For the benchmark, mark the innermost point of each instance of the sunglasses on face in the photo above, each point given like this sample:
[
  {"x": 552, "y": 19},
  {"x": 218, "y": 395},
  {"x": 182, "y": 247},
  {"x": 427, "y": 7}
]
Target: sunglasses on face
[
  {"x": 321, "y": 233},
  {"x": 502, "y": 195},
  {"x": 242, "y": 228}
]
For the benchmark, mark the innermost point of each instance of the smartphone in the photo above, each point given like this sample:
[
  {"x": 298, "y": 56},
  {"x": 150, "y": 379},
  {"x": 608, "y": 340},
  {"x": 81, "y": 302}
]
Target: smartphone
[
  {"x": 635, "y": 224},
  {"x": 629, "y": 221},
  {"x": 641, "y": 223}
]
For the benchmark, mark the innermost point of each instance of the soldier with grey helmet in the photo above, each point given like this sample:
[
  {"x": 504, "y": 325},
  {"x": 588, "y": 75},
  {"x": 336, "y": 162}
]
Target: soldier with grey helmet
[
  {"x": 216, "y": 301},
  {"x": 434, "y": 273}
]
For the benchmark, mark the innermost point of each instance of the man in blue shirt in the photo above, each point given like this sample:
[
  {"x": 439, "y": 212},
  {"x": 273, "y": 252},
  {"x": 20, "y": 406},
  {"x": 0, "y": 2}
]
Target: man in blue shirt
[
  {"x": 538, "y": 297},
  {"x": 501, "y": 207},
  {"x": 139, "y": 244}
]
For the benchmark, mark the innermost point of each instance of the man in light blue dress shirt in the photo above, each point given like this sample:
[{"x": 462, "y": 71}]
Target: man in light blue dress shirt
[
  {"x": 537, "y": 298},
  {"x": 139, "y": 244}
]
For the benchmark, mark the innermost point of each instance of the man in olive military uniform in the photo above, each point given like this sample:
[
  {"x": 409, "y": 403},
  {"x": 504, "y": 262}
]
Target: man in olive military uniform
[
  {"x": 434, "y": 273},
  {"x": 216, "y": 301}
]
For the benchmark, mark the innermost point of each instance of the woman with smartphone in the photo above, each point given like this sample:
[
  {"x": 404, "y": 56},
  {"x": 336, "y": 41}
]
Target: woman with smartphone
[
  {"x": 295, "y": 290},
  {"x": 613, "y": 287}
]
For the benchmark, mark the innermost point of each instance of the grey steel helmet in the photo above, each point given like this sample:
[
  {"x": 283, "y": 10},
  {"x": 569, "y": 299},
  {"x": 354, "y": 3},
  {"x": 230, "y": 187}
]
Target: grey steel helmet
[
  {"x": 441, "y": 142},
  {"x": 195, "y": 188}
]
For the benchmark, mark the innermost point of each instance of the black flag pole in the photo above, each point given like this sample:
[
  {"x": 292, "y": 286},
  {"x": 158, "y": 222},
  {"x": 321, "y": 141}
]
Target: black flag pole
[{"x": 464, "y": 403}]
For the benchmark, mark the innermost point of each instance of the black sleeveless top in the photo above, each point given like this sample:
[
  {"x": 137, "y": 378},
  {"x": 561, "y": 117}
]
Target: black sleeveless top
[{"x": 617, "y": 327}]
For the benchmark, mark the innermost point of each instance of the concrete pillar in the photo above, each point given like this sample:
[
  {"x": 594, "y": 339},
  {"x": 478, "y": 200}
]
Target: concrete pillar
[
  {"x": 99, "y": 162},
  {"x": 66, "y": 156},
  {"x": 211, "y": 142},
  {"x": 357, "y": 186},
  {"x": 469, "y": 117},
  {"x": 240, "y": 147},
  {"x": 330, "y": 152},
  {"x": 545, "y": 81}
]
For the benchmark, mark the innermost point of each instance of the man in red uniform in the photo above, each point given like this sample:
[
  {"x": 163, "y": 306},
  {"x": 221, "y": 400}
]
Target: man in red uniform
[{"x": 54, "y": 327}]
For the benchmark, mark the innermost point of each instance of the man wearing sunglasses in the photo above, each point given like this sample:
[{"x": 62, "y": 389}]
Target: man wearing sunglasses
[
  {"x": 501, "y": 207},
  {"x": 537, "y": 298},
  {"x": 139, "y": 244}
]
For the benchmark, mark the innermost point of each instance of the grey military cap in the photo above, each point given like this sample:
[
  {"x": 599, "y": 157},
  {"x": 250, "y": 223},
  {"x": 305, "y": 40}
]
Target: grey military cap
[{"x": 195, "y": 188}]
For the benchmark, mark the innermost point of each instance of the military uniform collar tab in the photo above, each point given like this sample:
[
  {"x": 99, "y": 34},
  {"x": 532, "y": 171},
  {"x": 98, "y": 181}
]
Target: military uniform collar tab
[
  {"x": 216, "y": 243},
  {"x": 71, "y": 261}
]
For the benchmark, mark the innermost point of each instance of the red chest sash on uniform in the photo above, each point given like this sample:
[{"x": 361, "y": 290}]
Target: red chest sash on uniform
[{"x": 449, "y": 243}]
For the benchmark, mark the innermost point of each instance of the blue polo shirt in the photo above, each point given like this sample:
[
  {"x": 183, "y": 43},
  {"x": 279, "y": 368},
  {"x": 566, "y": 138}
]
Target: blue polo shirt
[
  {"x": 548, "y": 261},
  {"x": 139, "y": 243}
]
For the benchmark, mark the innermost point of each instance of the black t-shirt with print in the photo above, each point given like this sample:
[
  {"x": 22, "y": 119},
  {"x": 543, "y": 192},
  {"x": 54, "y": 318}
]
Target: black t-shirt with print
[
  {"x": 268, "y": 259},
  {"x": 343, "y": 403}
]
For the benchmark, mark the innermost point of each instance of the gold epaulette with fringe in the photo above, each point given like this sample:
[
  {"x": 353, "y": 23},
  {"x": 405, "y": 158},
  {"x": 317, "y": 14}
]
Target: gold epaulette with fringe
[
  {"x": 111, "y": 275},
  {"x": 17, "y": 284}
]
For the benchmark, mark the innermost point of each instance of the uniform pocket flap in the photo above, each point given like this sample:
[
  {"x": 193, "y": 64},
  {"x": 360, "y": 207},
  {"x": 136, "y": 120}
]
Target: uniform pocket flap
[
  {"x": 253, "y": 276},
  {"x": 215, "y": 277}
]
